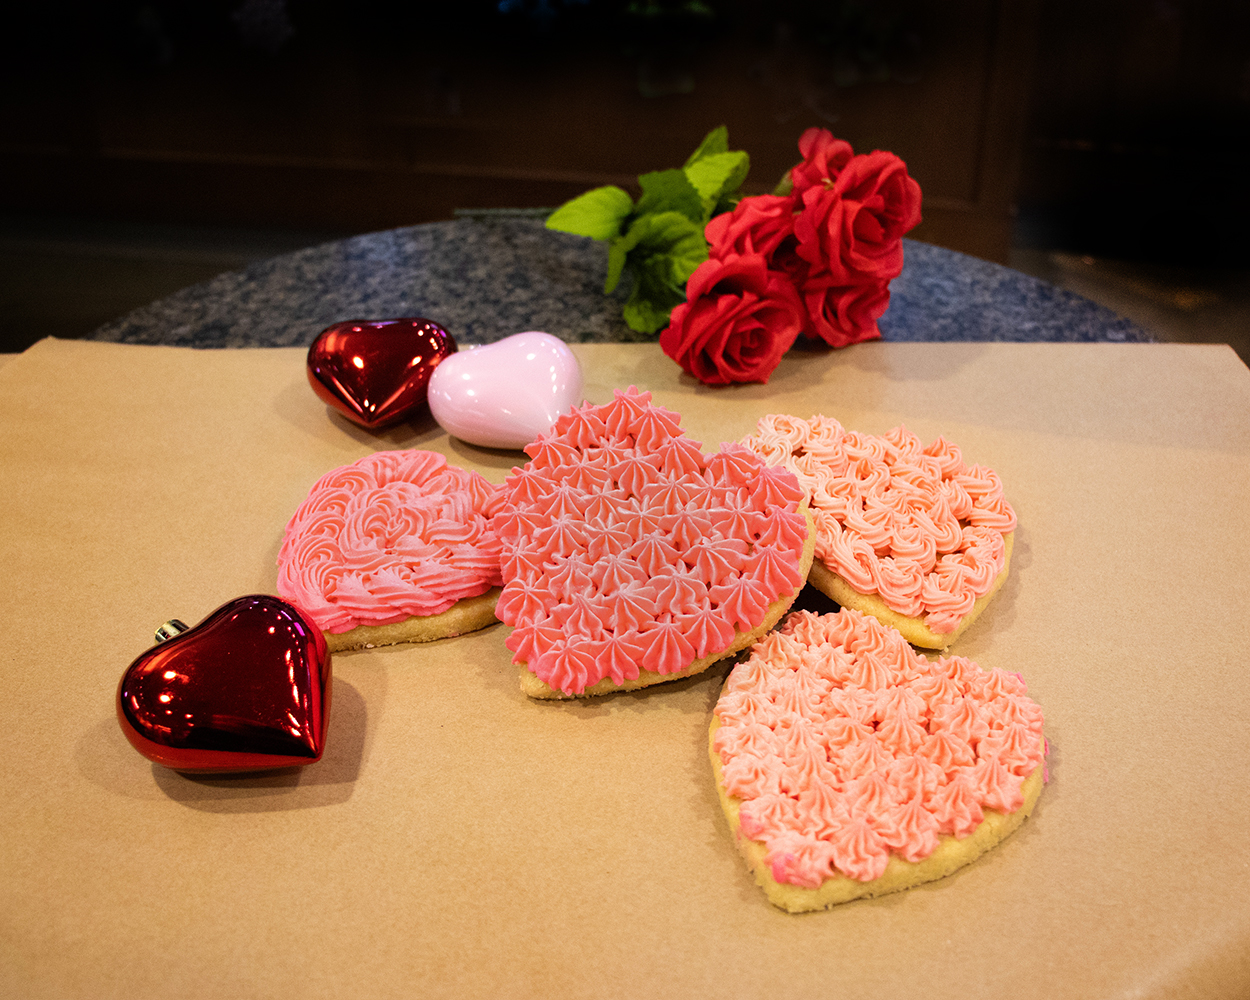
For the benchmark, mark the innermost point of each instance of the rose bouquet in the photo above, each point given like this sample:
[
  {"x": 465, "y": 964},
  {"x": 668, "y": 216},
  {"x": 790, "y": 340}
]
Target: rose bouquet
[{"x": 731, "y": 282}]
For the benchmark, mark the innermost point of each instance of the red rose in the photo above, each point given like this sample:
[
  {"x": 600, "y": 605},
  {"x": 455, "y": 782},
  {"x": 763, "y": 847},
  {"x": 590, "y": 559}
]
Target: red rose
[
  {"x": 824, "y": 157},
  {"x": 738, "y": 319},
  {"x": 852, "y": 230},
  {"x": 757, "y": 224},
  {"x": 845, "y": 314},
  {"x": 787, "y": 260}
]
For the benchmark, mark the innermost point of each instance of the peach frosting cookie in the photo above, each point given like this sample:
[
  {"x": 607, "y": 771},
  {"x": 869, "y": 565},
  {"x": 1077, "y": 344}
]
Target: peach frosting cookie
[
  {"x": 849, "y": 765},
  {"x": 904, "y": 532},
  {"x": 630, "y": 558},
  {"x": 396, "y": 547}
]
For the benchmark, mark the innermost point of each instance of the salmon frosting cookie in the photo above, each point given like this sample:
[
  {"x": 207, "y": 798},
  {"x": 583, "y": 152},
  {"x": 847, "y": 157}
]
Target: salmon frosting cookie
[
  {"x": 396, "y": 547},
  {"x": 905, "y": 532},
  {"x": 631, "y": 558},
  {"x": 850, "y": 765}
]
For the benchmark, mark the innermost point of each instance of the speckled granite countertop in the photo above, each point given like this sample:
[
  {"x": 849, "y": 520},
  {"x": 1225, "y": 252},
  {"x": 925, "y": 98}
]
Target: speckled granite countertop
[{"x": 485, "y": 278}]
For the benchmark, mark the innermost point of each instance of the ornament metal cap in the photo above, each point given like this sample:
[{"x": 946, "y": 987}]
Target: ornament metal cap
[{"x": 171, "y": 628}]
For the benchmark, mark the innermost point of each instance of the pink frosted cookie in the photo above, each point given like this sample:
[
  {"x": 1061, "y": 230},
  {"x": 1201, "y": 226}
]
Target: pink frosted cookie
[
  {"x": 631, "y": 558},
  {"x": 849, "y": 765},
  {"x": 396, "y": 547},
  {"x": 904, "y": 532}
]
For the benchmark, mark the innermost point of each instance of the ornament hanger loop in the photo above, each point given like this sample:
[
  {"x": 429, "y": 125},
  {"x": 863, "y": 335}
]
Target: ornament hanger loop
[{"x": 170, "y": 629}]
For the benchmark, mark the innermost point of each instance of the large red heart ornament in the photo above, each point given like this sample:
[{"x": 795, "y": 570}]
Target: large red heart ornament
[
  {"x": 376, "y": 372},
  {"x": 247, "y": 689}
]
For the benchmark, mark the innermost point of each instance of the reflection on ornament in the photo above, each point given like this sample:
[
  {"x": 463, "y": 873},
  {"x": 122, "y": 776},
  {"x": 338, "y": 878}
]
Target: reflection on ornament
[
  {"x": 375, "y": 372},
  {"x": 247, "y": 689}
]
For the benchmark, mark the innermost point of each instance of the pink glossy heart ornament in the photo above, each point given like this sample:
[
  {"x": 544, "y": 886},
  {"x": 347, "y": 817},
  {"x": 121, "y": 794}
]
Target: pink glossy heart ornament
[
  {"x": 506, "y": 394},
  {"x": 375, "y": 372},
  {"x": 247, "y": 689}
]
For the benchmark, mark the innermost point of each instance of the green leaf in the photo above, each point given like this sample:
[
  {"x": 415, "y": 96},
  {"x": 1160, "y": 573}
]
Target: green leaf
[
  {"x": 680, "y": 243},
  {"x": 598, "y": 213},
  {"x": 620, "y": 248},
  {"x": 617, "y": 252},
  {"x": 657, "y": 283},
  {"x": 643, "y": 315},
  {"x": 713, "y": 175},
  {"x": 785, "y": 185},
  {"x": 660, "y": 238},
  {"x": 661, "y": 231},
  {"x": 664, "y": 250},
  {"x": 669, "y": 191},
  {"x": 716, "y": 141},
  {"x": 716, "y": 176},
  {"x": 652, "y": 300},
  {"x": 671, "y": 236}
]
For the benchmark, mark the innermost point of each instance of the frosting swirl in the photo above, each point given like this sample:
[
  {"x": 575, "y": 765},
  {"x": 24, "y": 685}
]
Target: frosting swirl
[
  {"x": 843, "y": 745},
  {"x": 395, "y": 535},
  {"x": 909, "y": 522},
  {"x": 645, "y": 553}
]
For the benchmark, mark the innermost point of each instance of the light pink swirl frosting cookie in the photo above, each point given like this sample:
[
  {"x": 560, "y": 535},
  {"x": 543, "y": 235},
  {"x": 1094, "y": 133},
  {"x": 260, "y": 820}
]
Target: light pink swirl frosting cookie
[
  {"x": 395, "y": 535},
  {"x": 625, "y": 547},
  {"x": 845, "y": 746},
  {"x": 894, "y": 517}
]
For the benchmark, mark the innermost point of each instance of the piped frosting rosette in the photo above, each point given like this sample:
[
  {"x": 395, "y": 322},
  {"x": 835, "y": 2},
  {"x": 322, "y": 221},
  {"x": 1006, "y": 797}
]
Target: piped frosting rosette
[
  {"x": 907, "y": 523},
  {"x": 850, "y": 765},
  {"x": 395, "y": 535},
  {"x": 630, "y": 557}
]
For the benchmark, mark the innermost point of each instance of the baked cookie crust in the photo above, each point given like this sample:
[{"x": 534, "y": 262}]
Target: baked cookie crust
[
  {"x": 467, "y": 615},
  {"x": 951, "y": 854}
]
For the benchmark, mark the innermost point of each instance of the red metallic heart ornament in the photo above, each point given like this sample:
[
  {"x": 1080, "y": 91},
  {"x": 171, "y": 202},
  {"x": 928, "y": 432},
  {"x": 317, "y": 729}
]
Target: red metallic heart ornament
[
  {"x": 375, "y": 372},
  {"x": 247, "y": 689}
]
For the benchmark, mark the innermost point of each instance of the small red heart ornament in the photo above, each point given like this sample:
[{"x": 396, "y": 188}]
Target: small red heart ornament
[
  {"x": 247, "y": 689},
  {"x": 376, "y": 372}
]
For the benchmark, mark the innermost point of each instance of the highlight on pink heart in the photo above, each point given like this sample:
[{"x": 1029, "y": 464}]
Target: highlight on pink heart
[
  {"x": 247, "y": 689},
  {"x": 377, "y": 372},
  {"x": 506, "y": 394}
]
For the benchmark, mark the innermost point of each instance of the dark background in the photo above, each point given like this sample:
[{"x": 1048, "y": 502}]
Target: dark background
[{"x": 1109, "y": 131}]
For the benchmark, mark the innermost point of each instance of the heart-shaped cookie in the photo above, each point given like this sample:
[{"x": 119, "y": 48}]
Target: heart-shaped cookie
[
  {"x": 506, "y": 394},
  {"x": 631, "y": 558},
  {"x": 396, "y": 547},
  {"x": 247, "y": 689},
  {"x": 849, "y": 765},
  {"x": 376, "y": 372},
  {"x": 904, "y": 532}
]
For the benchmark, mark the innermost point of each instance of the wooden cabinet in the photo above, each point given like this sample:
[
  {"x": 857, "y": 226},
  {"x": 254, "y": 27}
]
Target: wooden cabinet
[{"x": 404, "y": 122}]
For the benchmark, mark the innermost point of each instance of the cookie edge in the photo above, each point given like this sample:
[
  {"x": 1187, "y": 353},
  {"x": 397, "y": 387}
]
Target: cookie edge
[
  {"x": 951, "y": 854},
  {"x": 469, "y": 614},
  {"x": 913, "y": 629},
  {"x": 540, "y": 690}
]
